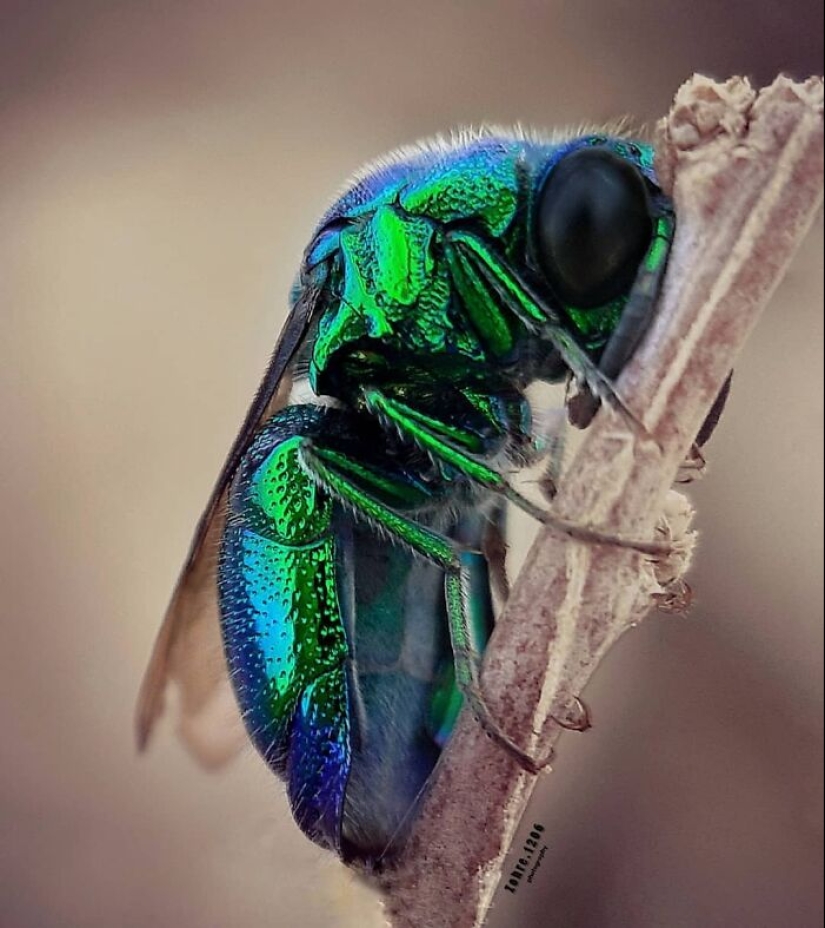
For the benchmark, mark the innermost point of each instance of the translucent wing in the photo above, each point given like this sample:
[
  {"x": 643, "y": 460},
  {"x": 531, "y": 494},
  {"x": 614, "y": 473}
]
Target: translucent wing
[{"x": 188, "y": 649}]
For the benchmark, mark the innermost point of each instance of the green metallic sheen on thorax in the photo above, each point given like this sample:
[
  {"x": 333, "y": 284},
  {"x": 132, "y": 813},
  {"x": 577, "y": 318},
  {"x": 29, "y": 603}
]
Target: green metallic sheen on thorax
[
  {"x": 401, "y": 252},
  {"x": 394, "y": 277},
  {"x": 463, "y": 192}
]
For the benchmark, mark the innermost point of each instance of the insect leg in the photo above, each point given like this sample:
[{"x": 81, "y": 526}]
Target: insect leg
[
  {"x": 715, "y": 413},
  {"x": 482, "y": 276},
  {"x": 423, "y": 430},
  {"x": 636, "y": 317},
  {"x": 359, "y": 487},
  {"x": 640, "y": 307},
  {"x": 494, "y": 549}
]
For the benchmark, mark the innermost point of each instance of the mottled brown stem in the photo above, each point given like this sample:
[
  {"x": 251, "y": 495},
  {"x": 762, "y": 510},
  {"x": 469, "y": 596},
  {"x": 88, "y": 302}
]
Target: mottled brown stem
[{"x": 745, "y": 171}]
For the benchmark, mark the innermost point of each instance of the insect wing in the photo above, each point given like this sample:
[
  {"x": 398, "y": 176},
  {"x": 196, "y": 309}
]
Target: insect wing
[{"x": 188, "y": 648}]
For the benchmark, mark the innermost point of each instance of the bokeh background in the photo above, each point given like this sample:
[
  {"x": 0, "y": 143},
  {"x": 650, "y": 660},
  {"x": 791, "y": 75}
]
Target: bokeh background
[{"x": 161, "y": 165}]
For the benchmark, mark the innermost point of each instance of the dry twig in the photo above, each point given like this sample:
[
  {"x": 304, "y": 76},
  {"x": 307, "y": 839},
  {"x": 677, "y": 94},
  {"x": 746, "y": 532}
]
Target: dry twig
[{"x": 745, "y": 171}]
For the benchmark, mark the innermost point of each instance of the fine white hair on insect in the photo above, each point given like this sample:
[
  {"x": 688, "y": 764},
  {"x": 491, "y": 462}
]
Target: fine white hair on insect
[{"x": 464, "y": 135}]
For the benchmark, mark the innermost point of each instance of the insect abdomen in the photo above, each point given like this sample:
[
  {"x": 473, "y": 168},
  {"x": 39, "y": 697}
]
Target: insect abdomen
[
  {"x": 283, "y": 631},
  {"x": 337, "y": 639}
]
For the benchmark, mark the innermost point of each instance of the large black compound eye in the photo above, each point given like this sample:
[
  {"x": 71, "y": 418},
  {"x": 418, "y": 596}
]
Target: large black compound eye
[{"x": 593, "y": 227}]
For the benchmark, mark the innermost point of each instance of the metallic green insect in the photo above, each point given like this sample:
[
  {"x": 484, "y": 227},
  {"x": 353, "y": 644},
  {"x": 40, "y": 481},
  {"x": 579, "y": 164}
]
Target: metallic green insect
[{"x": 355, "y": 513}]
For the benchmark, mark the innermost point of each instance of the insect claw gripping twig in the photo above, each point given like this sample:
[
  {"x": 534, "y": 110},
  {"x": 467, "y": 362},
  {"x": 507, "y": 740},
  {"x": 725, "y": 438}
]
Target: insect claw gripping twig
[
  {"x": 526, "y": 761},
  {"x": 581, "y": 722},
  {"x": 745, "y": 172}
]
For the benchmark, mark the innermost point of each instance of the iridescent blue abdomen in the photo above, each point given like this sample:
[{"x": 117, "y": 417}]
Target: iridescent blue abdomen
[{"x": 335, "y": 640}]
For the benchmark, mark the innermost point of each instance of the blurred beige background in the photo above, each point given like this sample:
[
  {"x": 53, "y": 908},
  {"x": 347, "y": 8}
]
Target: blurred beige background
[{"x": 161, "y": 165}]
